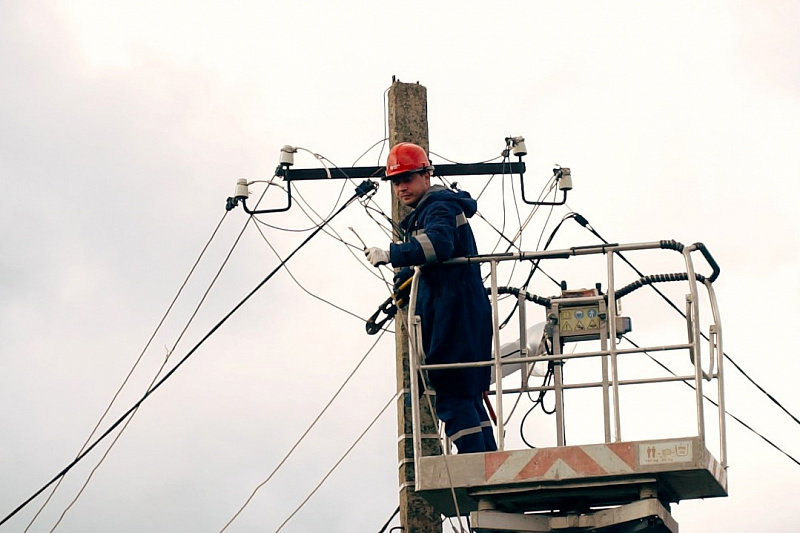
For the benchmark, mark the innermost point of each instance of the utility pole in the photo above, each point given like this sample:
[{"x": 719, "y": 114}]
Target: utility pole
[{"x": 408, "y": 122}]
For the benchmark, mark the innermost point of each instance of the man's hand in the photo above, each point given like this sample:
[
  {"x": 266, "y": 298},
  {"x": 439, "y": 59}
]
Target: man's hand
[{"x": 376, "y": 256}]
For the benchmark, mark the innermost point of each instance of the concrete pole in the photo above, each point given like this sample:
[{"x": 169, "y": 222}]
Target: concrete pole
[{"x": 408, "y": 122}]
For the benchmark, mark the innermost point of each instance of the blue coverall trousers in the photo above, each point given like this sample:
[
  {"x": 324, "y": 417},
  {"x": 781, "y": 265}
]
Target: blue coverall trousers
[{"x": 466, "y": 422}]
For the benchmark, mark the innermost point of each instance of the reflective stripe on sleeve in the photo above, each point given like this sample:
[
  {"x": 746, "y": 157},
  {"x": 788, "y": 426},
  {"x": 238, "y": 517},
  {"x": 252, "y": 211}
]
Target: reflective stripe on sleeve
[
  {"x": 461, "y": 219},
  {"x": 427, "y": 247}
]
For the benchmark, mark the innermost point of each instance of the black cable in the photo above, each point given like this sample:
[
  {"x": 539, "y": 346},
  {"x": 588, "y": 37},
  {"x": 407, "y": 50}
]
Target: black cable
[
  {"x": 502, "y": 230},
  {"x": 715, "y": 404},
  {"x": 548, "y": 376},
  {"x": 535, "y": 267},
  {"x": 457, "y": 163},
  {"x": 585, "y": 223},
  {"x": 320, "y": 298},
  {"x": 302, "y": 437},
  {"x": 368, "y": 149},
  {"x": 395, "y": 513},
  {"x": 332, "y": 234},
  {"x": 138, "y": 359},
  {"x": 180, "y": 363},
  {"x": 161, "y": 368}
]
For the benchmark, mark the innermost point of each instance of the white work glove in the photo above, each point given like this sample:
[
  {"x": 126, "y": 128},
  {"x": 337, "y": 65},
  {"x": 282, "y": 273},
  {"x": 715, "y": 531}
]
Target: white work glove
[{"x": 376, "y": 256}]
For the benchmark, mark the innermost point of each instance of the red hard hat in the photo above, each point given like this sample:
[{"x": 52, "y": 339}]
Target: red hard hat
[{"x": 406, "y": 157}]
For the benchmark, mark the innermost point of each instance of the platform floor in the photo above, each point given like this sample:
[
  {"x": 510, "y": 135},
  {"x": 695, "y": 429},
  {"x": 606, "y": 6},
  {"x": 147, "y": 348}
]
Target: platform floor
[{"x": 569, "y": 478}]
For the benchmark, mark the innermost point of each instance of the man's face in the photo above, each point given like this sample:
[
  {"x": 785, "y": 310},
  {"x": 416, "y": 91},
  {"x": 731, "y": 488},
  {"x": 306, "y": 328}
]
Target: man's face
[{"x": 409, "y": 188}]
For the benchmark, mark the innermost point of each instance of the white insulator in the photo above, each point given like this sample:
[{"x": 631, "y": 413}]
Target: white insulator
[
  {"x": 241, "y": 189},
  {"x": 287, "y": 155},
  {"x": 565, "y": 183},
  {"x": 519, "y": 148}
]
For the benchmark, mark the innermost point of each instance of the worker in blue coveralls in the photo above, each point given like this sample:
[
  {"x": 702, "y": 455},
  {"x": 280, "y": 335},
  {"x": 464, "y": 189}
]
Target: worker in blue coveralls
[{"x": 451, "y": 301}]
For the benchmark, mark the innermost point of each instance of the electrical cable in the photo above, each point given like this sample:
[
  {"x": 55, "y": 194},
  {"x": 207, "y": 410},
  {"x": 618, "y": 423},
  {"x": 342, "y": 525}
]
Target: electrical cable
[
  {"x": 169, "y": 352},
  {"x": 335, "y": 236},
  {"x": 158, "y": 373},
  {"x": 516, "y": 210},
  {"x": 333, "y": 233},
  {"x": 370, "y": 148},
  {"x": 296, "y": 194},
  {"x": 501, "y": 235},
  {"x": 548, "y": 186},
  {"x": 488, "y": 182},
  {"x": 585, "y": 223},
  {"x": 417, "y": 352},
  {"x": 321, "y": 299},
  {"x": 342, "y": 458},
  {"x": 535, "y": 267},
  {"x": 457, "y": 163},
  {"x": 740, "y": 421},
  {"x": 385, "y": 120},
  {"x": 427, "y": 396},
  {"x": 385, "y": 230},
  {"x": 175, "y": 368},
  {"x": 503, "y": 209},
  {"x": 136, "y": 363},
  {"x": 395, "y": 513},
  {"x": 303, "y": 436}
]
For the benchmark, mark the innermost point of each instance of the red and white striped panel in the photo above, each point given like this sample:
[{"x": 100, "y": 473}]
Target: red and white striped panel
[{"x": 560, "y": 463}]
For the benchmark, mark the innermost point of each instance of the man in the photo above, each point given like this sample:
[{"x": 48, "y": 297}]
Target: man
[{"x": 452, "y": 303}]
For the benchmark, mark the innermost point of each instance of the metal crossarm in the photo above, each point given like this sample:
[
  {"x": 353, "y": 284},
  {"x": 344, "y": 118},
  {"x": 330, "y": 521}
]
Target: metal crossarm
[{"x": 458, "y": 169}]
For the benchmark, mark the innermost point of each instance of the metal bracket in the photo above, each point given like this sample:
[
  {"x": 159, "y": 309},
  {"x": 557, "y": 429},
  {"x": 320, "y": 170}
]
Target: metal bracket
[{"x": 457, "y": 169}]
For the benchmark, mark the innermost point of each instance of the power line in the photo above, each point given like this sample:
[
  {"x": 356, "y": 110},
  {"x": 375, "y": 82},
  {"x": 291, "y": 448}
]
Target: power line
[
  {"x": 395, "y": 513},
  {"x": 303, "y": 436},
  {"x": 368, "y": 187},
  {"x": 765, "y": 439},
  {"x": 161, "y": 368},
  {"x": 342, "y": 458},
  {"x": 135, "y": 364},
  {"x": 320, "y": 298},
  {"x": 585, "y": 223}
]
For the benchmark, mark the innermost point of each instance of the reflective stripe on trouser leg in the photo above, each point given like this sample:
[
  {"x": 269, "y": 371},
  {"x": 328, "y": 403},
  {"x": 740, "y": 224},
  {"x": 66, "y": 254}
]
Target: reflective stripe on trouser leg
[
  {"x": 488, "y": 436},
  {"x": 463, "y": 422}
]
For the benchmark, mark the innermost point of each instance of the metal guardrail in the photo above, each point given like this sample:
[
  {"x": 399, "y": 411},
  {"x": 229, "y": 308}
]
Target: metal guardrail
[{"x": 609, "y": 353}]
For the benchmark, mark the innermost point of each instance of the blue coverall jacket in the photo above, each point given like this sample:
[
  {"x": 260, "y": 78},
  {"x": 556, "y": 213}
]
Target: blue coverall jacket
[{"x": 452, "y": 302}]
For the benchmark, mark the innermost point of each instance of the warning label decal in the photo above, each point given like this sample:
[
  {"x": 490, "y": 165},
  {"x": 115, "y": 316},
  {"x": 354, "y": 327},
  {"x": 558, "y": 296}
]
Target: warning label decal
[{"x": 658, "y": 453}]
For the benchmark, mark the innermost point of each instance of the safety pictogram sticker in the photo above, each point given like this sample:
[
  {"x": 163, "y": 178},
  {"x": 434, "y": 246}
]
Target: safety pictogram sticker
[{"x": 658, "y": 453}]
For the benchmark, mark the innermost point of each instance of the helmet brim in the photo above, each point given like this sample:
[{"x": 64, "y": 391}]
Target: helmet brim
[{"x": 388, "y": 177}]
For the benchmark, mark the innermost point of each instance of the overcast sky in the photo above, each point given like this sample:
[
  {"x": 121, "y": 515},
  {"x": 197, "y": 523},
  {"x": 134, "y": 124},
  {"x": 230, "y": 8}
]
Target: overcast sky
[{"x": 123, "y": 129}]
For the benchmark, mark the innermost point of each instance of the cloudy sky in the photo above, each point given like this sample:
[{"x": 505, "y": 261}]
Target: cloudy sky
[{"x": 123, "y": 130}]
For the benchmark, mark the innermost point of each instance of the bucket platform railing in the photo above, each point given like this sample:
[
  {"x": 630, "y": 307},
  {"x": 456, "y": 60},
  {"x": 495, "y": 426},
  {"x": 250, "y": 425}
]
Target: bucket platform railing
[{"x": 608, "y": 469}]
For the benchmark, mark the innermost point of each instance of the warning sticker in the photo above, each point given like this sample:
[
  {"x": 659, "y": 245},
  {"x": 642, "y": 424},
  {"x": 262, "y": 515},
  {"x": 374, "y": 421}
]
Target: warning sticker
[{"x": 657, "y": 453}]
